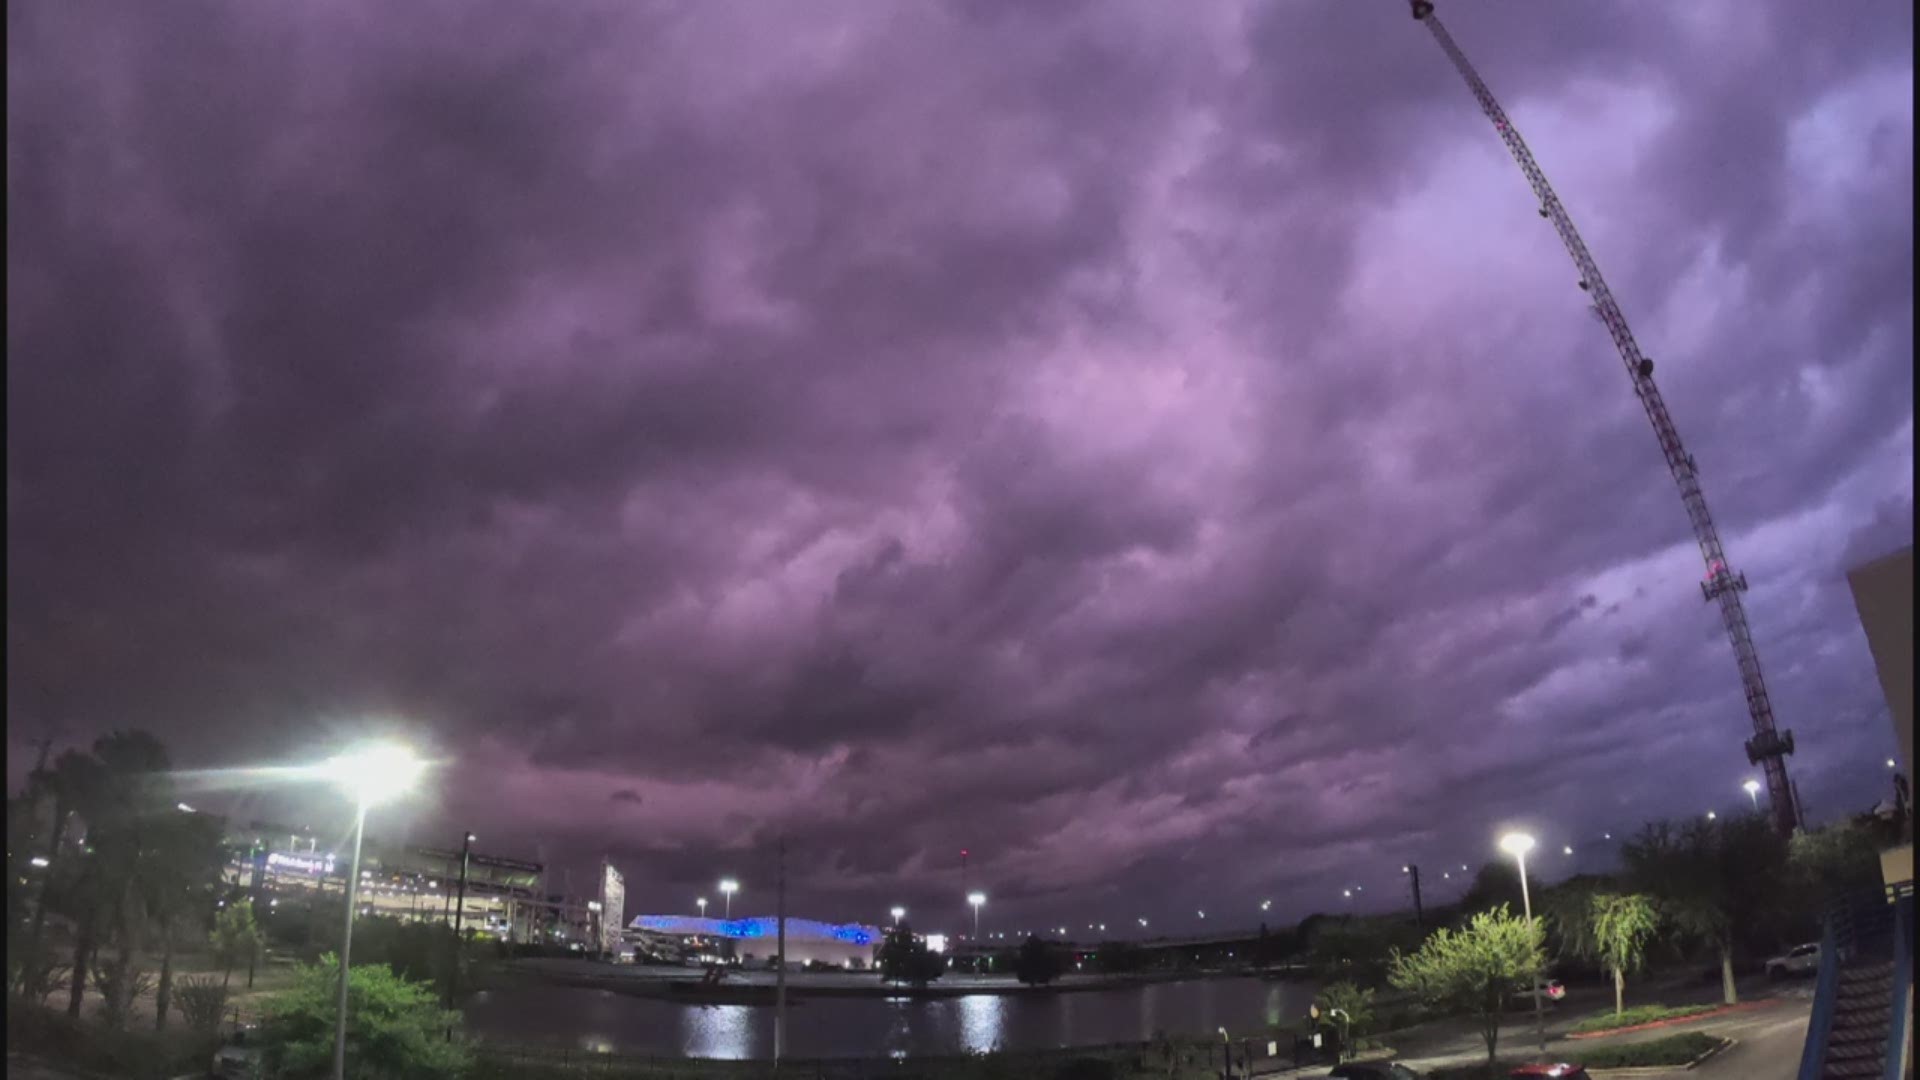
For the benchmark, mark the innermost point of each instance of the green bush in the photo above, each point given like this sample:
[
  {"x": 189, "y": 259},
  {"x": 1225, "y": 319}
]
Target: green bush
[
  {"x": 1644, "y": 1014},
  {"x": 394, "y": 1027},
  {"x": 1672, "y": 1050}
]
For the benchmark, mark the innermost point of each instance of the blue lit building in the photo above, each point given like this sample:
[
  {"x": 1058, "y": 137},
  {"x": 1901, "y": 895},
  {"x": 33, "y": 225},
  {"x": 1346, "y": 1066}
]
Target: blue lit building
[{"x": 753, "y": 941}]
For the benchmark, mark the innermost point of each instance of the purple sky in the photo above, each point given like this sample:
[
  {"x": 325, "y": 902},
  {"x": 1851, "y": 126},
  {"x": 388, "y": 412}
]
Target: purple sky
[{"x": 1155, "y": 446}]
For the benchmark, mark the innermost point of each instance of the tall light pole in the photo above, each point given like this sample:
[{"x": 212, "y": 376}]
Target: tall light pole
[
  {"x": 702, "y": 903},
  {"x": 898, "y": 913},
  {"x": 1517, "y": 844},
  {"x": 977, "y": 899},
  {"x": 370, "y": 776},
  {"x": 728, "y": 887},
  {"x": 1752, "y": 788}
]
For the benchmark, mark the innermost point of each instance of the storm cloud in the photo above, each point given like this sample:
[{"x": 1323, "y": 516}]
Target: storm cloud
[{"x": 1158, "y": 449}]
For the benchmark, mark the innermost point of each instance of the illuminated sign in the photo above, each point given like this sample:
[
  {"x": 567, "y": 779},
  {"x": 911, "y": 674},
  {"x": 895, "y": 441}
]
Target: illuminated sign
[{"x": 301, "y": 864}]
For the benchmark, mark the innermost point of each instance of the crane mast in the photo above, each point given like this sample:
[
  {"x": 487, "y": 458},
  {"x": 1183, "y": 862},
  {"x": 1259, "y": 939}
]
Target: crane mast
[{"x": 1769, "y": 747}]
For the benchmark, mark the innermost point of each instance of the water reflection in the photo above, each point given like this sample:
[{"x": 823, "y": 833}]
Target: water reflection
[
  {"x": 718, "y": 1031},
  {"x": 877, "y": 1027},
  {"x": 980, "y": 1020}
]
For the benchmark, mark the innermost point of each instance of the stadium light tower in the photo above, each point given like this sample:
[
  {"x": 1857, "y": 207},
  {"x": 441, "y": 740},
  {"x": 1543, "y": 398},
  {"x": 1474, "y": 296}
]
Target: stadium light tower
[
  {"x": 728, "y": 887},
  {"x": 978, "y": 900},
  {"x": 898, "y": 913}
]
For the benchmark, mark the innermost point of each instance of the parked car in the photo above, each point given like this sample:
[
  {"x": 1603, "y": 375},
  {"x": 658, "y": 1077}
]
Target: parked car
[
  {"x": 1551, "y": 992},
  {"x": 238, "y": 1057},
  {"x": 1562, "y": 1071},
  {"x": 1375, "y": 1070},
  {"x": 1799, "y": 960}
]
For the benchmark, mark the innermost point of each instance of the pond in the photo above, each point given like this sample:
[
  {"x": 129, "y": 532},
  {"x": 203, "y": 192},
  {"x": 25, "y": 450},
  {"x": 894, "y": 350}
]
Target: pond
[{"x": 852, "y": 1027}]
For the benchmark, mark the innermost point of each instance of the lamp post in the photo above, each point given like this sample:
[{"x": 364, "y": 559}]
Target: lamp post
[
  {"x": 702, "y": 903},
  {"x": 370, "y": 776},
  {"x": 977, "y": 899},
  {"x": 898, "y": 913},
  {"x": 1517, "y": 844},
  {"x": 728, "y": 887},
  {"x": 1752, "y": 788}
]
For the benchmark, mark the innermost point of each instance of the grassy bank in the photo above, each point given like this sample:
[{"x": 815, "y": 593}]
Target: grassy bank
[
  {"x": 1674, "y": 1050},
  {"x": 138, "y": 1053}
]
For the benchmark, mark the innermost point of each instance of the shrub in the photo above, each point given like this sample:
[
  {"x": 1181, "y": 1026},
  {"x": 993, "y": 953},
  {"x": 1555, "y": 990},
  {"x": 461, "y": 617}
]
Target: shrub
[
  {"x": 1644, "y": 1014},
  {"x": 202, "y": 1001},
  {"x": 1356, "y": 1003},
  {"x": 394, "y": 1027},
  {"x": 121, "y": 983}
]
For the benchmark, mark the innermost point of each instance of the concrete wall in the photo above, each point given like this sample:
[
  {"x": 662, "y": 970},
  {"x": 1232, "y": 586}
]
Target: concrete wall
[{"x": 1883, "y": 594}]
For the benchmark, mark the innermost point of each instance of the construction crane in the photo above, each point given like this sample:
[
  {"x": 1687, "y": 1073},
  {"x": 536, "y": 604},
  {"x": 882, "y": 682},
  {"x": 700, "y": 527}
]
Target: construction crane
[{"x": 1769, "y": 747}]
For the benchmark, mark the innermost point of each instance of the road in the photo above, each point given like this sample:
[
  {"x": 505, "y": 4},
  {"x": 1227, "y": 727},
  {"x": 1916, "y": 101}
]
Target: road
[{"x": 1768, "y": 1036}]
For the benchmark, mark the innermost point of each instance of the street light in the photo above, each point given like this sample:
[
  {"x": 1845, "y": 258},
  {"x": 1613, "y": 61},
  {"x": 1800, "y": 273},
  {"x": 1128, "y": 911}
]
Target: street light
[
  {"x": 1266, "y": 905},
  {"x": 1566, "y": 849},
  {"x": 728, "y": 887},
  {"x": 977, "y": 899},
  {"x": 1711, "y": 815},
  {"x": 1517, "y": 844},
  {"x": 371, "y": 776},
  {"x": 1202, "y": 914},
  {"x": 1752, "y": 788},
  {"x": 898, "y": 913},
  {"x": 701, "y": 903}
]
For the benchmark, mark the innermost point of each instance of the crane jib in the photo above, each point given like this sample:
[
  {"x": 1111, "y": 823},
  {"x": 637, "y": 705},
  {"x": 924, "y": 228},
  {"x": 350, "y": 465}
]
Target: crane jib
[{"x": 1769, "y": 747}]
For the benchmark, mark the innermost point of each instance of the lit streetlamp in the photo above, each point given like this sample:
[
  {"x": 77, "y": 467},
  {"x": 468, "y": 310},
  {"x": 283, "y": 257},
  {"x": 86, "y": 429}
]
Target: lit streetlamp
[
  {"x": 1266, "y": 905},
  {"x": 898, "y": 913},
  {"x": 977, "y": 899},
  {"x": 371, "y": 776},
  {"x": 701, "y": 903},
  {"x": 1752, "y": 788},
  {"x": 1517, "y": 844},
  {"x": 728, "y": 887}
]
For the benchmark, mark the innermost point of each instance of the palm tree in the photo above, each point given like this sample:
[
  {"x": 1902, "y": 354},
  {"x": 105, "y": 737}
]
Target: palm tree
[
  {"x": 72, "y": 784},
  {"x": 1621, "y": 927}
]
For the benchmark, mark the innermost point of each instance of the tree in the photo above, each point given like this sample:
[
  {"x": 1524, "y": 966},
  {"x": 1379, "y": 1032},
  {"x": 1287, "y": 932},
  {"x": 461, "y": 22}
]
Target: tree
[
  {"x": 1037, "y": 964},
  {"x": 1355, "y": 1004},
  {"x": 394, "y": 1027},
  {"x": 178, "y": 887},
  {"x": 906, "y": 958},
  {"x": 1621, "y": 927},
  {"x": 1712, "y": 880},
  {"x": 235, "y": 937},
  {"x": 1474, "y": 968},
  {"x": 1494, "y": 884}
]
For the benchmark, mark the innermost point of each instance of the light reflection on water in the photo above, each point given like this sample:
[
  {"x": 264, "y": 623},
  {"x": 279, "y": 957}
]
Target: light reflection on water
[{"x": 877, "y": 1027}]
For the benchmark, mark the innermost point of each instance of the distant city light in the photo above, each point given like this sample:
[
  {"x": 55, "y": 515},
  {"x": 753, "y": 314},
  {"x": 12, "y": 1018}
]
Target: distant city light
[
  {"x": 39, "y": 861},
  {"x": 183, "y": 808},
  {"x": 1266, "y": 905},
  {"x": 1567, "y": 850},
  {"x": 1348, "y": 893},
  {"x": 1711, "y": 815}
]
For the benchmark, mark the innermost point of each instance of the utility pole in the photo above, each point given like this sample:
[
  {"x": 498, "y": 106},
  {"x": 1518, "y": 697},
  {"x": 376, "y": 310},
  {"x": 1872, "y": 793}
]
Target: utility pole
[
  {"x": 780, "y": 973},
  {"x": 1419, "y": 916}
]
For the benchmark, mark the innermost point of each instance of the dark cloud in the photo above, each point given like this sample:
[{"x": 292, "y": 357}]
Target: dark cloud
[{"x": 1108, "y": 439}]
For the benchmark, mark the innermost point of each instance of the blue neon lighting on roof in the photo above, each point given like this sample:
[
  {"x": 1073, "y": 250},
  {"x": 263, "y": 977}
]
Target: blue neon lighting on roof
[{"x": 757, "y": 928}]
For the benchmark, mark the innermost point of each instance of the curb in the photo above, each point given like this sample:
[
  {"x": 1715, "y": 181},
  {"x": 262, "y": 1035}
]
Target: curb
[
  {"x": 1662, "y": 1070},
  {"x": 1652, "y": 1025}
]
